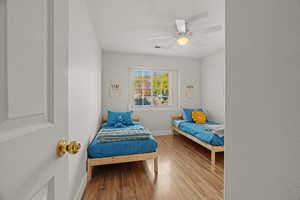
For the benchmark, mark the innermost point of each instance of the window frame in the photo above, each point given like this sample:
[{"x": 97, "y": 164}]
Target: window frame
[{"x": 152, "y": 107}]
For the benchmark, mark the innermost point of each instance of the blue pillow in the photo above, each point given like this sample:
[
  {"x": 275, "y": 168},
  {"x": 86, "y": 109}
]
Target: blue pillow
[
  {"x": 118, "y": 118},
  {"x": 187, "y": 113}
]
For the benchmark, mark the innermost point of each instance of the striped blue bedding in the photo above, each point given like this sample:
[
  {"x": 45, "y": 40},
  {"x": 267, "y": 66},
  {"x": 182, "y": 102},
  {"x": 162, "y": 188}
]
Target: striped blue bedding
[
  {"x": 117, "y": 135},
  {"x": 98, "y": 149}
]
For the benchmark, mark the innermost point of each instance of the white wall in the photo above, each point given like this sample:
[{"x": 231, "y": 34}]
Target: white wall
[
  {"x": 212, "y": 85},
  {"x": 84, "y": 90},
  {"x": 3, "y": 87},
  {"x": 116, "y": 67},
  {"x": 262, "y": 159}
]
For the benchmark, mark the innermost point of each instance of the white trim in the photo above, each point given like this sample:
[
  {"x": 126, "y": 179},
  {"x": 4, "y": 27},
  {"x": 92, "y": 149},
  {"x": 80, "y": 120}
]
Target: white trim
[
  {"x": 81, "y": 188},
  {"x": 178, "y": 90},
  {"x": 152, "y": 108},
  {"x": 140, "y": 67},
  {"x": 161, "y": 132}
]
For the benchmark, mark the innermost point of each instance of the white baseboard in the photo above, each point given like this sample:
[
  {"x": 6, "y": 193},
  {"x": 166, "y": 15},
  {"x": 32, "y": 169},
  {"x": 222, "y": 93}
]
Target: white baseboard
[
  {"x": 161, "y": 132},
  {"x": 81, "y": 189}
]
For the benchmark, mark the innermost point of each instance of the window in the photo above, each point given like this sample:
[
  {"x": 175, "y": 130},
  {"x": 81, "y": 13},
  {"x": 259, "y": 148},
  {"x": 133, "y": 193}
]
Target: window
[{"x": 151, "y": 88}]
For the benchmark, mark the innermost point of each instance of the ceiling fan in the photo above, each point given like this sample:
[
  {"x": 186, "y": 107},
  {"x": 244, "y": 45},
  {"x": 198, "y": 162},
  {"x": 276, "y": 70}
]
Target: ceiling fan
[{"x": 183, "y": 32}]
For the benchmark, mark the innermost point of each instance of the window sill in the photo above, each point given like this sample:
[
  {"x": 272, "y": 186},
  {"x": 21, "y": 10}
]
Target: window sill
[{"x": 154, "y": 108}]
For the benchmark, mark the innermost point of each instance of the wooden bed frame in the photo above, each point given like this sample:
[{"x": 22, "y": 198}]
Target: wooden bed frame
[
  {"x": 212, "y": 148},
  {"x": 91, "y": 162}
]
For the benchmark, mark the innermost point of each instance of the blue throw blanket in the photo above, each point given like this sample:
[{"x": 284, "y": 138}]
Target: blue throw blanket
[{"x": 116, "y": 135}]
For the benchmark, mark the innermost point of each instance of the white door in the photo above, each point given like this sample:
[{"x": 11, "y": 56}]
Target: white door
[{"x": 33, "y": 99}]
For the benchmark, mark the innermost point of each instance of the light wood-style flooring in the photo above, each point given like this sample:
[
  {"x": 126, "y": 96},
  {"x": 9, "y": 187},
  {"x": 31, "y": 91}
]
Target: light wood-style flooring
[{"x": 184, "y": 174}]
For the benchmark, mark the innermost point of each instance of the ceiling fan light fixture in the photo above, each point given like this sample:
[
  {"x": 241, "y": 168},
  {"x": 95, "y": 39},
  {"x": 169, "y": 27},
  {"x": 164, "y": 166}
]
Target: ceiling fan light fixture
[{"x": 183, "y": 40}]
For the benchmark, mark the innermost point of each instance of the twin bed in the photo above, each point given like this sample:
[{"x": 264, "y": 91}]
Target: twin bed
[
  {"x": 103, "y": 152},
  {"x": 197, "y": 133}
]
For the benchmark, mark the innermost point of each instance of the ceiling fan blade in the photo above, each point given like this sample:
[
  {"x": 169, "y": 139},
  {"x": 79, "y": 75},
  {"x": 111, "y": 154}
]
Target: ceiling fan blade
[
  {"x": 180, "y": 25},
  {"x": 198, "y": 43},
  {"x": 163, "y": 37},
  {"x": 207, "y": 30},
  {"x": 213, "y": 29},
  {"x": 197, "y": 17}
]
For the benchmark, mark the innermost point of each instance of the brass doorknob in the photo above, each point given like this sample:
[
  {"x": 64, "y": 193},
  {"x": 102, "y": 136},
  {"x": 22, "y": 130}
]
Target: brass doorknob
[{"x": 62, "y": 147}]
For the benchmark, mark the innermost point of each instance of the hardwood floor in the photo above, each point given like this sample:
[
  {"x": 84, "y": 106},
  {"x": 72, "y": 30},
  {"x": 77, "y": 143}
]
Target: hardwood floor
[{"x": 184, "y": 174}]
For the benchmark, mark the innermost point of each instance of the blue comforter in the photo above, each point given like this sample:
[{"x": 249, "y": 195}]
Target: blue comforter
[
  {"x": 200, "y": 133},
  {"x": 98, "y": 149}
]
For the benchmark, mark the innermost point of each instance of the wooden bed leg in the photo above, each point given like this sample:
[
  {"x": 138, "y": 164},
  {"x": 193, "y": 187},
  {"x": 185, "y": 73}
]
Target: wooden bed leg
[
  {"x": 173, "y": 131},
  {"x": 156, "y": 165},
  {"x": 213, "y": 159},
  {"x": 89, "y": 172}
]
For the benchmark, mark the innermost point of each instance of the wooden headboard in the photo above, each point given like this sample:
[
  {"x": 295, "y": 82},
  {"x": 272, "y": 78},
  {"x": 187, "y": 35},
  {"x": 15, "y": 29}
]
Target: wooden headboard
[
  {"x": 176, "y": 116},
  {"x": 135, "y": 118}
]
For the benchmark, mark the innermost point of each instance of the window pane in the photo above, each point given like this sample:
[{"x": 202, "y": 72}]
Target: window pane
[
  {"x": 160, "y": 87},
  {"x": 147, "y": 100},
  {"x": 161, "y": 75},
  {"x": 150, "y": 88},
  {"x": 146, "y": 83},
  {"x": 146, "y": 92},
  {"x": 165, "y": 92},
  {"x": 157, "y": 100},
  {"x": 160, "y": 84},
  {"x": 137, "y": 100},
  {"x": 147, "y": 74},
  {"x": 156, "y": 87},
  {"x": 144, "y": 75},
  {"x": 142, "y": 100},
  {"x": 138, "y": 74},
  {"x": 137, "y": 83},
  {"x": 160, "y": 100},
  {"x": 165, "y": 100},
  {"x": 138, "y": 91},
  {"x": 156, "y": 74}
]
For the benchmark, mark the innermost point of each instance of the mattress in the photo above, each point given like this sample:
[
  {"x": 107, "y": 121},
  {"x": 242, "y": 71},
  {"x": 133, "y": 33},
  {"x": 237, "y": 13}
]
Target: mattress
[
  {"x": 176, "y": 122},
  {"x": 198, "y": 131},
  {"x": 97, "y": 149}
]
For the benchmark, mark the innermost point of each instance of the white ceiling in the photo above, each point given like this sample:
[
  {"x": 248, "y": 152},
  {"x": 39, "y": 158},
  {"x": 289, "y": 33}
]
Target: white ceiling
[{"x": 125, "y": 25}]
